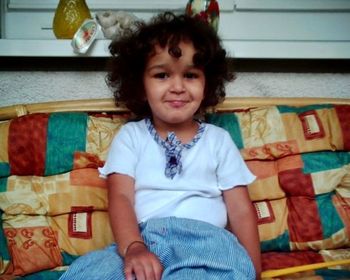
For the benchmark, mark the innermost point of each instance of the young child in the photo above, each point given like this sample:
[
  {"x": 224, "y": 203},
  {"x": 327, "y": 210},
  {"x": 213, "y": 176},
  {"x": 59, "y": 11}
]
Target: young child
[{"x": 172, "y": 179}]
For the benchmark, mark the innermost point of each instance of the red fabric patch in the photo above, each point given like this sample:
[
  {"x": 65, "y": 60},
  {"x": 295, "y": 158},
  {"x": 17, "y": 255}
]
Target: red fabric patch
[
  {"x": 27, "y": 144},
  {"x": 304, "y": 222},
  {"x": 294, "y": 182},
  {"x": 264, "y": 212},
  {"x": 279, "y": 260},
  {"x": 79, "y": 222},
  {"x": 343, "y": 112},
  {"x": 312, "y": 125}
]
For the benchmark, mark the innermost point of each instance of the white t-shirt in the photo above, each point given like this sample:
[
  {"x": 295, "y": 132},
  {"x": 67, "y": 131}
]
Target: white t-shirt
[{"x": 212, "y": 165}]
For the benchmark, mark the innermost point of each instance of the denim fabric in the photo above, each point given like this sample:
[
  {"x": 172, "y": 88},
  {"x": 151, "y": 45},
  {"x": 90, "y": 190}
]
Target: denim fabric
[{"x": 188, "y": 249}]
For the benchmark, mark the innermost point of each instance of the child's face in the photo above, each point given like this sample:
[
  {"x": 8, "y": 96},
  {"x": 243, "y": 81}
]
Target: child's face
[{"x": 174, "y": 86}]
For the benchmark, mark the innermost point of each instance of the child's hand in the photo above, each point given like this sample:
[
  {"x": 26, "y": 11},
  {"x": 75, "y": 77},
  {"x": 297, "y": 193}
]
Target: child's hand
[{"x": 142, "y": 264}]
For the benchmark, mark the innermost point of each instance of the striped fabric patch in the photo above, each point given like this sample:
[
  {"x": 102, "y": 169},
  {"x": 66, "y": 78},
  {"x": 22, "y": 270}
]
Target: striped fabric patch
[{"x": 66, "y": 134}]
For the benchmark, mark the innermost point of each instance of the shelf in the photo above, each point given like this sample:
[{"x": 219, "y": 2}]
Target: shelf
[
  {"x": 235, "y": 48},
  {"x": 49, "y": 48}
]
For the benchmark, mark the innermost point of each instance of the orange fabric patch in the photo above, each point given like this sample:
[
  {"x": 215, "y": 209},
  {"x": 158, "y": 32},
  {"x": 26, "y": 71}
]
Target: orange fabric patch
[
  {"x": 86, "y": 160},
  {"x": 27, "y": 144},
  {"x": 290, "y": 162},
  {"x": 262, "y": 169},
  {"x": 271, "y": 151},
  {"x": 278, "y": 226},
  {"x": 24, "y": 243},
  {"x": 265, "y": 189},
  {"x": 88, "y": 177}
]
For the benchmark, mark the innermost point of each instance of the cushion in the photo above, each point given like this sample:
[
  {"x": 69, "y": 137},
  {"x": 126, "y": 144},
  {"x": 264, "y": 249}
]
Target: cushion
[{"x": 53, "y": 202}]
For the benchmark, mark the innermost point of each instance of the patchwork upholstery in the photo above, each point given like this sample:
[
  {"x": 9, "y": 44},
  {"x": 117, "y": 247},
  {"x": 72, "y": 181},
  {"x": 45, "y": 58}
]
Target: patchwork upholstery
[
  {"x": 53, "y": 202},
  {"x": 54, "y": 206},
  {"x": 301, "y": 158}
]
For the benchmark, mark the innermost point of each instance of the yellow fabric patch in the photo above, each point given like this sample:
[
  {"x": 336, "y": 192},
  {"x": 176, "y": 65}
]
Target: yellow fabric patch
[
  {"x": 101, "y": 131},
  {"x": 261, "y": 126},
  {"x": 4, "y": 132}
]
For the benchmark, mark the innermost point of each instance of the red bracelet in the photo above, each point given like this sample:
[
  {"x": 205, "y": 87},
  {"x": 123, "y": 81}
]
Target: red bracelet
[{"x": 130, "y": 244}]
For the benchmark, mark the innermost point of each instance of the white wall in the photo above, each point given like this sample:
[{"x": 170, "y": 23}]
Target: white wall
[{"x": 32, "y": 87}]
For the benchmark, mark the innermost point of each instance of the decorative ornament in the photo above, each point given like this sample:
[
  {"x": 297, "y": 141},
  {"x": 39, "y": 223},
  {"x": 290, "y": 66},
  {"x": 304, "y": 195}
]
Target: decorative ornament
[
  {"x": 206, "y": 10},
  {"x": 116, "y": 23},
  {"x": 69, "y": 16}
]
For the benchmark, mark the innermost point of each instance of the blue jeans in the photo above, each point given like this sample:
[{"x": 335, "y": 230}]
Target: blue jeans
[{"x": 188, "y": 249}]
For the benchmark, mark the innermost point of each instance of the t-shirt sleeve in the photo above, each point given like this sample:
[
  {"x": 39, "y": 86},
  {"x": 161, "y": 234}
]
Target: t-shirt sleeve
[
  {"x": 121, "y": 156},
  {"x": 232, "y": 171}
]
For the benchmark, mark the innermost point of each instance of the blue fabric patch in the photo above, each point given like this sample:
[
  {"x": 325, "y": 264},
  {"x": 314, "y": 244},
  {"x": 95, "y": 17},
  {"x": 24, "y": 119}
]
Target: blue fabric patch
[
  {"x": 3, "y": 184},
  {"x": 281, "y": 243},
  {"x": 4, "y": 169},
  {"x": 330, "y": 220},
  {"x": 299, "y": 110}
]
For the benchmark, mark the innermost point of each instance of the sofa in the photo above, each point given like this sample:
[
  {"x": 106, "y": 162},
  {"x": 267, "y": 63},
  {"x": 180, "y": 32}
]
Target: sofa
[{"x": 54, "y": 205}]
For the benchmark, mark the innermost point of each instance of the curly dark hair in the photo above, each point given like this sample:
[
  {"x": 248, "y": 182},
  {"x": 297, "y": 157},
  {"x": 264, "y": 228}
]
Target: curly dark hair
[{"x": 130, "y": 54}]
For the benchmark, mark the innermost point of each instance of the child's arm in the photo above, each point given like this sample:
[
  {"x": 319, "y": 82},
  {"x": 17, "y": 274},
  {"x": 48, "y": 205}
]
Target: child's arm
[
  {"x": 137, "y": 259},
  {"x": 243, "y": 222}
]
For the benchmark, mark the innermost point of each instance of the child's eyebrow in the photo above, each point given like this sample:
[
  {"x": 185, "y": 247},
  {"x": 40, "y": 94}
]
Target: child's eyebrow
[{"x": 156, "y": 66}]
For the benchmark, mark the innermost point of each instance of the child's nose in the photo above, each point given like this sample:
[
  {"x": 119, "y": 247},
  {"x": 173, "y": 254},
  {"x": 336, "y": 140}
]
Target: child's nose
[{"x": 177, "y": 85}]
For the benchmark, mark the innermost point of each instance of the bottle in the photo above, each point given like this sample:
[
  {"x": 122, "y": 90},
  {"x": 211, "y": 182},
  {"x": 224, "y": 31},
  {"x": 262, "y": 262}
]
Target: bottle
[
  {"x": 207, "y": 10},
  {"x": 69, "y": 16}
]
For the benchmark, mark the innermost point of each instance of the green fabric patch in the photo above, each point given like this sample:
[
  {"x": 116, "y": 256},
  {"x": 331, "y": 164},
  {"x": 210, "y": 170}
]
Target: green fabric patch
[
  {"x": 228, "y": 121},
  {"x": 66, "y": 134},
  {"x": 44, "y": 275},
  {"x": 67, "y": 259},
  {"x": 333, "y": 274},
  {"x": 281, "y": 243},
  {"x": 299, "y": 110},
  {"x": 3, "y": 184},
  {"x": 4, "y": 169},
  {"x": 321, "y": 161},
  {"x": 330, "y": 219},
  {"x": 4, "y": 253}
]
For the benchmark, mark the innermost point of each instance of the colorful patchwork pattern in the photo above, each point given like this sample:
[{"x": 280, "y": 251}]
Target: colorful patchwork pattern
[
  {"x": 277, "y": 131},
  {"x": 301, "y": 157},
  {"x": 53, "y": 202}
]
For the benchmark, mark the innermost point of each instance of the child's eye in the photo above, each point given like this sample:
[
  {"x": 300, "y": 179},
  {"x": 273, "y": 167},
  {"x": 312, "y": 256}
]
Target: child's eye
[
  {"x": 191, "y": 75},
  {"x": 161, "y": 75}
]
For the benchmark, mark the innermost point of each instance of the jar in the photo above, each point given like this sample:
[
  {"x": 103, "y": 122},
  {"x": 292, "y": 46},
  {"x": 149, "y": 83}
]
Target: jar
[{"x": 69, "y": 16}]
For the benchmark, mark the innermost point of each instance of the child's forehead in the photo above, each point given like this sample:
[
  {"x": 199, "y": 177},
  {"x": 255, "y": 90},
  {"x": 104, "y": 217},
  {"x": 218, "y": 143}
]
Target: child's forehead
[{"x": 175, "y": 50}]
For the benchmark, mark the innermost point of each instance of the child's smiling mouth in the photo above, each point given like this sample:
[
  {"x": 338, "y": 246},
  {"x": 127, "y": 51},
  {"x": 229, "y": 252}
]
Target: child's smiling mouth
[{"x": 177, "y": 103}]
